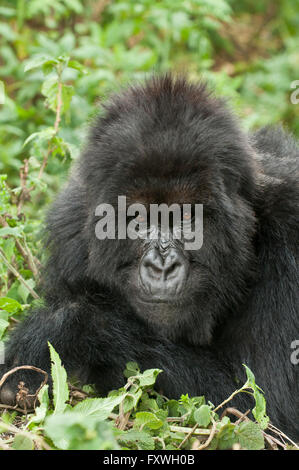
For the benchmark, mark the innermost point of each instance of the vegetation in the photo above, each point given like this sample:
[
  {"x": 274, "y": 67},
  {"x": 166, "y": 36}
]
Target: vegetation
[
  {"x": 133, "y": 417},
  {"x": 58, "y": 60}
]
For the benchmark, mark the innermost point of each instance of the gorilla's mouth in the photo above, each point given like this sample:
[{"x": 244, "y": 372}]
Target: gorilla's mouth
[
  {"x": 162, "y": 276},
  {"x": 157, "y": 300}
]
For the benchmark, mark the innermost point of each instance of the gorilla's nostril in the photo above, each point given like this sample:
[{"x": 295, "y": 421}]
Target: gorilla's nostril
[
  {"x": 165, "y": 276},
  {"x": 154, "y": 271},
  {"x": 172, "y": 270}
]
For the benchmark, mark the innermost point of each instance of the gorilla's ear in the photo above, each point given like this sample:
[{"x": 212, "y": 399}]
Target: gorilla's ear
[{"x": 66, "y": 239}]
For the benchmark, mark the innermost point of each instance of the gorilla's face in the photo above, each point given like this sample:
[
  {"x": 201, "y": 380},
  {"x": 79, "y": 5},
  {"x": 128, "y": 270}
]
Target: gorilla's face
[
  {"x": 167, "y": 285},
  {"x": 179, "y": 156}
]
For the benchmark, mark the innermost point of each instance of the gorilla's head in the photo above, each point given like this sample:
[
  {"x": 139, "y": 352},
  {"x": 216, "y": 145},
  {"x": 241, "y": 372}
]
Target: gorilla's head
[{"x": 171, "y": 142}]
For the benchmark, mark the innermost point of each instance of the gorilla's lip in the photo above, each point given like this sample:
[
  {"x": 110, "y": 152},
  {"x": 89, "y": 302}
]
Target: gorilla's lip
[{"x": 158, "y": 300}]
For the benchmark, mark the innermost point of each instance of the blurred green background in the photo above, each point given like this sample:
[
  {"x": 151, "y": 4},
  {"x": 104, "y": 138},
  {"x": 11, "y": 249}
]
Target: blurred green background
[{"x": 60, "y": 58}]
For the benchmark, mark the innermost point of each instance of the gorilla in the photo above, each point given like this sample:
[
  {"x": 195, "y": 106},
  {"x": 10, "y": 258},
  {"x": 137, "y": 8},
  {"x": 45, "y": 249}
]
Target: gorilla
[{"x": 198, "y": 315}]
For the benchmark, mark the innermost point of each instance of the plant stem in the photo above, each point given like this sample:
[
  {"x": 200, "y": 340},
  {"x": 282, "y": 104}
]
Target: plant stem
[{"x": 17, "y": 274}]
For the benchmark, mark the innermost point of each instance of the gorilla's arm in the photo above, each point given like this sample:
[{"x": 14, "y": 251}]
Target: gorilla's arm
[
  {"x": 261, "y": 333},
  {"x": 95, "y": 346}
]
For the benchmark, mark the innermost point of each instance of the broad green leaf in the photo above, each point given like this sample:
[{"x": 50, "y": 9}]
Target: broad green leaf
[
  {"x": 7, "y": 11},
  {"x": 59, "y": 377},
  {"x": 38, "y": 61},
  {"x": 131, "y": 369},
  {"x": 226, "y": 437},
  {"x": 10, "y": 305},
  {"x": 44, "y": 135},
  {"x": 98, "y": 408},
  {"x": 23, "y": 291},
  {"x": 7, "y": 32},
  {"x": 22, "y": 442},
  {"x": 74, "y": 64},
  {"x": 250, "y": 436},
  {"x": 50, "y": 90},
  {"x": 148, "y": 377},
  {"x": 75, "y": 431},
  {"x": 8, "y": 246},
  {"x": 202, "y": 416},
  {"x": 15, "y": 231},
  {"x": 142, "y": 440},
  {"x": 147, "y": 419}
]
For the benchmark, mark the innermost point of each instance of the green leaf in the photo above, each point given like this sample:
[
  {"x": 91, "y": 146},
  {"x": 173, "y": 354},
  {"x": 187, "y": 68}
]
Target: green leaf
[
  {"x": 75, "y": 431},
  {"x": 74, "y": 64},
  {"x": 15, "y": 231},
  {"x": 226, "y": 437},
  {"x": 44, "y": 135},
  {"x": 23, "y": 291},
  {"x": 38, "y": 61},
  {"x": 250, "y": 436},
  {"x": 259, "y": 411},
  {"x": 141, "y": 439},
  {"x": 202, "y": 416},
  {"x": 148, "y": 377},
  {"x": 50, "y": 90},
  {"x": 3, "y": 326},
  {"x": 22, "y": 442},
  {"x": 10, "y": 305},
  {"x": 131, "y": 400},
  {"x": 2, "y": 92},
  {"x": 41, "y": 410},
  {"x": 59, "y": 377},
  {"x": 147, "y": 419},
  {"x": 7, "y": 32},
  {"x": 131, "y": 369},
  {"x": 8, "y": 246},
  {"x": 98, "y": 408}
]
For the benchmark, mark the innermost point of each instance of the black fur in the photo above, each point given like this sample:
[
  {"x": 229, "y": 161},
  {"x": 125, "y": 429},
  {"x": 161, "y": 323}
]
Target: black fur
[{"x": 240, "y": 304}]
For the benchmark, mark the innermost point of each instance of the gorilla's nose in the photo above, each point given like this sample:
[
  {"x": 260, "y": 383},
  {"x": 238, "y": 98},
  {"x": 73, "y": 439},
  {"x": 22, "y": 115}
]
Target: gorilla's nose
[{"x": 163, "y": 276}]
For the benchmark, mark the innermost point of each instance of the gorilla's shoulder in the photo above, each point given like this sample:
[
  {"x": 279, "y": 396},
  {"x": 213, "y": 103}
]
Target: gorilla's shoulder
[
  {"x": 277, "y": 151},
  {"x": 277, "y": 209},
  {"x": 277, "y": 155}
]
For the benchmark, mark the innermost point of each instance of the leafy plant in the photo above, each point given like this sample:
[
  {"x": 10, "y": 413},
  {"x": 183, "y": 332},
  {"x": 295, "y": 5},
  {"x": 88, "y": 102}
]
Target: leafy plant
[{"x": 134, "y": 417}]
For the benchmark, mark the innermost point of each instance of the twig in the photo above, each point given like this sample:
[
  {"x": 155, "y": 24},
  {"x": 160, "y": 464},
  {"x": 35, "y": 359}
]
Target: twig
[
  {"x": 45, "y": 161},
  {"x": 245, "y": 386},
  {"x": 17, "y": 274},
  {"x": 209, "y": 440},
  {"x": 59, "y": 105},
  {"x": 15, "y": 369},
  {"x": 56, "y": 126},
  {"x": 271, "y": 439},
  {"x": 237, "y": 413},
  {"x": 25, "y": 192},
  {"x": 24, "y": 251},
  {"x": 20, "y": 410},
  {"x": 197, "y": 432},
  {"x": 31, "y": 260},
  {"x": 188, "y": 435},
  {"x": 280, "y": 433}
]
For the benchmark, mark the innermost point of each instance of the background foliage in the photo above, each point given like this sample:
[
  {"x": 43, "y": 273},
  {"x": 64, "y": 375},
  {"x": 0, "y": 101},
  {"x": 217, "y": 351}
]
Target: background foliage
[{"x": 60, "y": 58}]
